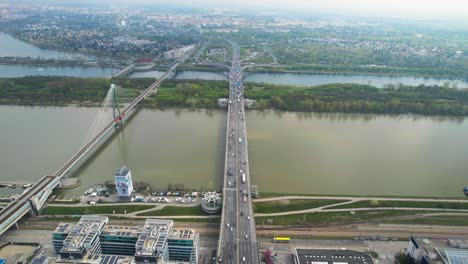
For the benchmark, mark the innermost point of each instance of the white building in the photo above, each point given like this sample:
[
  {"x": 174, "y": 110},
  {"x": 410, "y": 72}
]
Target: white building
[{"x": 123, "y": 182}]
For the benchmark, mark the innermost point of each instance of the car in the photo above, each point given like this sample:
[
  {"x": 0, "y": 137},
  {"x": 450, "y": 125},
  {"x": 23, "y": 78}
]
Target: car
[
  {"x": 232, "y": 229},
  {"x": 241, "y": 213},
  {"x": 246, "y": 237},
  {"x": 248, "y": 218},
  {"x": 243, "y": 259}
]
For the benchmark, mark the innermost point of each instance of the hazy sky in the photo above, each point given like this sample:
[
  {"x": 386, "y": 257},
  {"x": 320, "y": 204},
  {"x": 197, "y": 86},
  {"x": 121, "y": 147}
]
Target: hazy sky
[
  {"x": 425, "y": 8},
  {"x": 386, "y": 8}
]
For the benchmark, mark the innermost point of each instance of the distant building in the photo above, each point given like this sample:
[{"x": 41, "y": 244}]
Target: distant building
[
  {"x": 123, "y": 182},
  {"x": 223, "y": 102},
  {"x": 249, "y": 102},
  {"x": 177, "y": 53},
  {"x": 438, "y": 251},
  {"x": 91, "y": 240}
]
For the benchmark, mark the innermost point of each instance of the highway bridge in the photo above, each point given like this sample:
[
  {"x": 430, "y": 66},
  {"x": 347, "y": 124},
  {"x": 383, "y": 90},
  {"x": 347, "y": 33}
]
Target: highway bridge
[
  {"x": 33, "y": 198},
  {"x": 237, "y": 240},
  {"x": 125, "y": 71}
]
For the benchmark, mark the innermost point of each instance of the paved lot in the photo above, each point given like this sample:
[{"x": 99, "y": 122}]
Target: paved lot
[
  {"x": 41, "y": 237},
  {"x": 16, "y": 253},
  {"x": 330, "y": 256}
]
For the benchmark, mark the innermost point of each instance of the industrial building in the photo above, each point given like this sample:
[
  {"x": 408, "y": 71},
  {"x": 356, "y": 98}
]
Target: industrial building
[
  {"x": 331, "y": 256},
  {"x": 432, "y": 251},
  {"x": 92, "y": 241},
  {"x": 181, "y": 243}
]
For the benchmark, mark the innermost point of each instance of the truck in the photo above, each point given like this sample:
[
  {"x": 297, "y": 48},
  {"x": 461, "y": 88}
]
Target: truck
[{"x": 243, "y": 177}]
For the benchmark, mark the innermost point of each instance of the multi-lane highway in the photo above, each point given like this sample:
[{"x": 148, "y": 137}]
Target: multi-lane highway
[{"x": 238, "y": 242}]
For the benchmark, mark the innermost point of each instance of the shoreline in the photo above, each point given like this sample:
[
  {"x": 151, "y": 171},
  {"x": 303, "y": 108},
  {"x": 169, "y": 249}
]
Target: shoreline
[
  {"x": 452, "y": 78},
  {"x": 64, "y": 105}
]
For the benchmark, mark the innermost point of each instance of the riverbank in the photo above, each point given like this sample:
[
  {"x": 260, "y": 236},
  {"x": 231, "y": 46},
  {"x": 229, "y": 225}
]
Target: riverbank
[
  {"x": 290, "y": 211},
  {"x": 402, "y": 73},
  {"x": 52, "y": 62},
  {"x": 330, "y": 98}
]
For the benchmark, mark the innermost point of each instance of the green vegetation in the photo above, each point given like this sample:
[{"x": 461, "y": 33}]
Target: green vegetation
[
  {"x": 119, "y": 209},
  {"x": 49, "y": 90},
  {"x": 205, "y": 68},
  {"x": 357, "y": 98},
  {"x": 65, "y": 202},
  {"x": 378, "y": 216},
  {"x": 291, "y": 205},
  {"x": 344, "y": 98},
  {"x": 333, "y": 218},
  {"x": 403, "y": 258},
  {"x": 449, "y": 220},
  {"x": 193, "y": 93},
  {"x": 340, "y": 218},
  {"x": 273, "y": 194},
  {"x": 373, "y": 254},
  {"x": 255, "y": 54},
  {"x": 175, "y": 210},
  {"x": 412, "y": 204}
]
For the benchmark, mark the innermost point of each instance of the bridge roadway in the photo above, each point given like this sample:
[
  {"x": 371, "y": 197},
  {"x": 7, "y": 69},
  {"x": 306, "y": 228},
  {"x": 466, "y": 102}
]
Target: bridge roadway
[
  {"x": 237, "y": 242},
  {"x": 36, "y": 196}
]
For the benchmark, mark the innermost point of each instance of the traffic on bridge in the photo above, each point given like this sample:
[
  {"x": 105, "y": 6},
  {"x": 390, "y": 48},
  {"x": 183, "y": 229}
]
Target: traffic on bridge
[{"x": 237, "y": 242}]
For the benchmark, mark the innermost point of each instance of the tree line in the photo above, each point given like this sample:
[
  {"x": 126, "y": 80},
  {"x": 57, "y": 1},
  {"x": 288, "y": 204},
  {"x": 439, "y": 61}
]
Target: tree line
[
  {"x": 357, "y": 98},
  {"x": 344, "y": 98}
]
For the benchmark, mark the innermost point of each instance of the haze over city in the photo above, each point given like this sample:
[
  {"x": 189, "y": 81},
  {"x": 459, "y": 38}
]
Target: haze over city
[{"x": 233, "y": 132}]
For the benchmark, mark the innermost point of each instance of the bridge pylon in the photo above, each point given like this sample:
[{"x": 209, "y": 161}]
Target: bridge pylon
[{"x": 116, "y": 107}]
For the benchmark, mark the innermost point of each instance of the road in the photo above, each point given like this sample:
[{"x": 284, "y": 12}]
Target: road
[{"x": 238, "y": 242}]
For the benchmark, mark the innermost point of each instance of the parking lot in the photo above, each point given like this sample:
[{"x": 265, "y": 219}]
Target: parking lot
[{"x": 101, "y": 195}]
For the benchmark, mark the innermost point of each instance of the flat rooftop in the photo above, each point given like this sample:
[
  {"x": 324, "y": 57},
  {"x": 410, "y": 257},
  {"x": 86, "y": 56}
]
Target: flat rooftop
[
  {"x": 109, "y": 259},
  {"x": 332, "y": 256},
  {"x": 122, "y": 171},
  {"x": 122, "y": 231},
  {"x": 64, "y": 228},
  {"x": 182, "y": 234}
]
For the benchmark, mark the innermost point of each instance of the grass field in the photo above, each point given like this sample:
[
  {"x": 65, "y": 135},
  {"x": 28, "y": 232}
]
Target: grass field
[
  {"x": 291, "y": 205},
  {"x": 335, "y": 218},
  {"x": 118, "y": 209},
  {"x": 272, "y": 194},
  {"x": 415, "y": 204},
  {"x": 175, "y": 210}
]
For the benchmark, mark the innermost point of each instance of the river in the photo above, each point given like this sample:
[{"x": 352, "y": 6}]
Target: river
[
  {"x": 289, "y": 152},
  {"x": 13, "y": 47},
  {"x": 10, "y": 46},
  {"x": 78, "y": 71},
  {"x": 309, "y": 79}
]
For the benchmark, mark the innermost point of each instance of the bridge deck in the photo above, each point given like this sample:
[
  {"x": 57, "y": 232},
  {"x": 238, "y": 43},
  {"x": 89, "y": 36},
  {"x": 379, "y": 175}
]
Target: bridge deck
[{"x": 237, "y": 242}]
